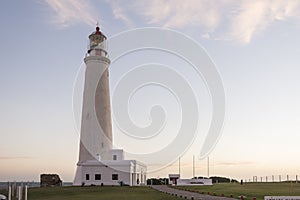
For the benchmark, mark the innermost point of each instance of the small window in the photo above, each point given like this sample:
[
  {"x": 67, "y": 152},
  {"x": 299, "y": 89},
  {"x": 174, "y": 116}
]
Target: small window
[
  {"x": 115, "y": 177},
  {"x": 87, "y": 177},
  {"x": 114, "y": 157},
  {"x": 97, "y": 177}
]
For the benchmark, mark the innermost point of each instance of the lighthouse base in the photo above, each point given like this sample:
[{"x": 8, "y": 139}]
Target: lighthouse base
[{"x": 111, "y": 172}]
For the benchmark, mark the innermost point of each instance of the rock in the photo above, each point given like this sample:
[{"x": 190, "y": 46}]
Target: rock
[{"x": 50, "y": 180}]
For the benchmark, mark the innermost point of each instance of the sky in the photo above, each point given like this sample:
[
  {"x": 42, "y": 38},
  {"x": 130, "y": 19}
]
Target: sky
[{"x": 254, "y": 45}]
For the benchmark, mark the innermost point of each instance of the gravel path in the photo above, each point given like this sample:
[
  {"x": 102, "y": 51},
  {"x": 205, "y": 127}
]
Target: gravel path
[{"x": 186, "y": 194}]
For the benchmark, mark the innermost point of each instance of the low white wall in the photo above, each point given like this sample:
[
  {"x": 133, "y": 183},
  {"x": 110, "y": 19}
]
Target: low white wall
[{"x": 194, "y": 181}]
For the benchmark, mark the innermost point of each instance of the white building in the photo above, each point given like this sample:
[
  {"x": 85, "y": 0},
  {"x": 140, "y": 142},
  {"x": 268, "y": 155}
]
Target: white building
[
  {"x": 174, "y": 179},
  {"x": 116, "y": 171},
  {"x": 98, "y": 163},
  {"x": 194, "y": 181}
]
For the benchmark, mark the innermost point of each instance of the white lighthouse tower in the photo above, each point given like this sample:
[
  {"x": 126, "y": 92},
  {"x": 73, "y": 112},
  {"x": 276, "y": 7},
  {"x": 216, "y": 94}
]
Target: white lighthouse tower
[
  {"x": 96, "y": 130},
  {"x": 98, "y": 163}
]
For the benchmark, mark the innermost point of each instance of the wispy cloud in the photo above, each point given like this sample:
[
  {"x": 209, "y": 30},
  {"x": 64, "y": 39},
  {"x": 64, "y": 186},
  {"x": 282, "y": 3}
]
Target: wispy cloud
[
  {"x": 119, "y": 12},
  {"x": 226, "y": 19},
  {"x": 179, "y": 14},
  {"x": 15, "y": 157},
  {"x": 70, "y": 12},
  {"x": 170, "y": 165},
  {"x": 253, "y": 17},
  {"x": 216, "y": 19},
  {"x": 234, "y": 163}
]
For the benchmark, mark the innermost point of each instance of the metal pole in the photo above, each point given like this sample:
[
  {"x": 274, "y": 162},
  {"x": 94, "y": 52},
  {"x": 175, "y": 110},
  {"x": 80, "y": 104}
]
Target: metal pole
[
  {"x": 272, "y": 178},
  {"x": 179, "y": 166},
  {"x": 207, "y": 166},
  {"x": 193, "y": 166},
  {"x": 296, "y": 178}
]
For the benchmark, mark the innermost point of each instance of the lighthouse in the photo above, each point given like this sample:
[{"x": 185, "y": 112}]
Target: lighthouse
[
  {"x": 96, "y": 128},
  {"x": 99, "y": 163}
]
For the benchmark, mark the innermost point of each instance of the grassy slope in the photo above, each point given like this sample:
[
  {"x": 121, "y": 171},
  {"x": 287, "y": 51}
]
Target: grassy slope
[
  {"x": 99, "y": 193},
  {"x": 250, "y": 190}
]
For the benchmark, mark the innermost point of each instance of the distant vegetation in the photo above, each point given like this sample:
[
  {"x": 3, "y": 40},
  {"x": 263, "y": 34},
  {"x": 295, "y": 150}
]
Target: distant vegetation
[
  {"x": 216, "y": 179},
  {"x": 158, "y": 181}
]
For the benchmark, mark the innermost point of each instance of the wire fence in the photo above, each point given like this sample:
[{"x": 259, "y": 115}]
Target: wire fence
[{"x": 273, "y": 179}]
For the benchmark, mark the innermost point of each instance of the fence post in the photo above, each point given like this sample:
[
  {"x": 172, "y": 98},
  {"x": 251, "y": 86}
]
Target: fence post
[
  {"x": 9, "y": 192},
  {"x": 279, "y": 178},
  {"x": 25, "y": 195},
  {"x": 19, "y": 192}
]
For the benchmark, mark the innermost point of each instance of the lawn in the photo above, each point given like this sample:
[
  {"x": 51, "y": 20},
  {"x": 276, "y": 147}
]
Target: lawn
[
  {"x": 250, "y": 190},
  {"x": 96, "y": 193}
]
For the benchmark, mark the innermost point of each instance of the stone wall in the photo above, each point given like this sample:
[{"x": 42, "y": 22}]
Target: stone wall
[{"x": 50, "y": 180}]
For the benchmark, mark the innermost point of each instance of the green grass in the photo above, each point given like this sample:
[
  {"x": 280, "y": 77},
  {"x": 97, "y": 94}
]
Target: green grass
[
  {"x": 250, "y": 190},
  {"x": 96, "y": 193}
]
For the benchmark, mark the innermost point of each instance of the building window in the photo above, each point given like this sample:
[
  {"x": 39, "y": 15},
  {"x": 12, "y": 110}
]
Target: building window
[
  {"x": 137, "y": 178},
  {"x": 115, "y": 177},
  {"x": 97, "y": 177},
  {"x": 87, "y": 177},
  {"x": 114, "y": 157}
]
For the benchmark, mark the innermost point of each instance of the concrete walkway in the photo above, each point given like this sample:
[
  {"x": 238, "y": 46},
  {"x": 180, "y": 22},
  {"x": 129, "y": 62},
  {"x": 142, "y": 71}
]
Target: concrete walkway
[{"x": 187, "y": 194}]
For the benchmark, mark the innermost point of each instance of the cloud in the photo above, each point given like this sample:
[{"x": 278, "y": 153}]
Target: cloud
[
  {"x": 213, "y": 19},
  {"x": 15, "y": 157},
  {"x": 234, "y": 163},
  {"x": 170, "y": 165},
  {"x": 119, "y": 13},
  {"x": 253, "y": 17},
  {"x": 225, "y": 19},
  {"x": 70, "y": 12},
  {"x": 179, "y": 14}
]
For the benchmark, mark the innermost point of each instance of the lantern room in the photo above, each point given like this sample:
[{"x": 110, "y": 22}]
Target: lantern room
[{"x": 97, "y": 46}]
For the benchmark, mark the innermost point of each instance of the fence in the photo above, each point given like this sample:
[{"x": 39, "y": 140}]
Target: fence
[
  {"x": 273, "y": 178},
  {"x": 18, "y": 191}
]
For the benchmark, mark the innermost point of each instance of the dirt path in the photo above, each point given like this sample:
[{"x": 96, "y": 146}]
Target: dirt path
[{"x": 186, "y": 194}]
